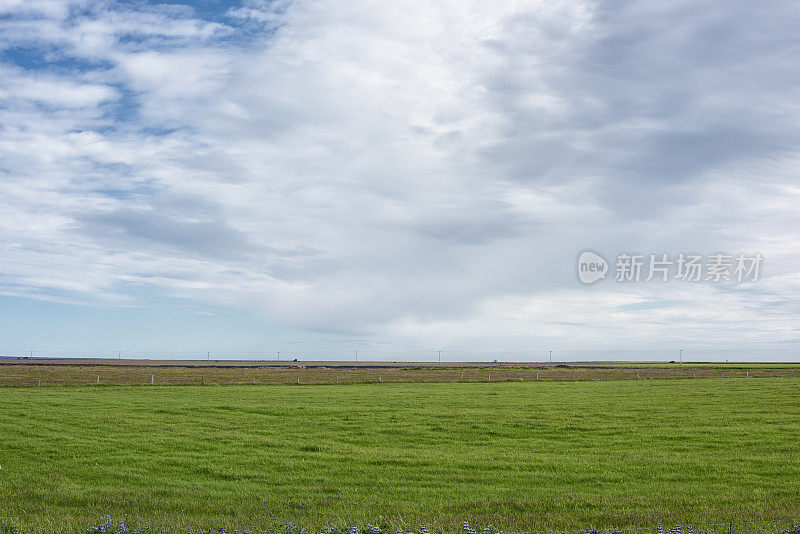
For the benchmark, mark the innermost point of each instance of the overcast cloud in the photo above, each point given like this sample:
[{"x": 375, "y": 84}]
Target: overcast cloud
[{"x": 412, "y": 174}]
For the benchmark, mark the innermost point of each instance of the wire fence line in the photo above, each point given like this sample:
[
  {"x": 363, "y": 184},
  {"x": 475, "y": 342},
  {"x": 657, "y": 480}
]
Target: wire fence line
[
  {"x": 42, "y": 374},
  {"x": 744, "y": 352}
]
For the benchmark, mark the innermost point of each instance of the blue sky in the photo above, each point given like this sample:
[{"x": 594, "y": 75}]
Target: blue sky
[{"x": 324, "y": 177}]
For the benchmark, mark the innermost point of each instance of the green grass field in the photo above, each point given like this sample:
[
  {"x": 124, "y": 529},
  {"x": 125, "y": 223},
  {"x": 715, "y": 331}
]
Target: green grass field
[{"x": 522, "y": 456}]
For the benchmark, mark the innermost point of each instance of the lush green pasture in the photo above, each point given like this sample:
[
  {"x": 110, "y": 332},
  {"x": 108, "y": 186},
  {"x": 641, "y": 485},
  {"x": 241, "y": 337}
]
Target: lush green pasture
[{"x": 523, "y": 456}]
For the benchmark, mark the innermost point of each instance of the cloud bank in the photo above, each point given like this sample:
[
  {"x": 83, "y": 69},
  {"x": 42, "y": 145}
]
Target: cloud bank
[{"x": 412, "y": 174}]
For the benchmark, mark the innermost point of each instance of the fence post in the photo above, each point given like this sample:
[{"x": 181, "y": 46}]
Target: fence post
[
  {"x": 462, "y": 377},
  {"x": 537, "y": 376},
  {"x": 490, "y": 377},
  {"x": 202, "y": 380},
  {"x": 694, "y": 375},
  {"x": 153, "y": 379},
  {"x": 380, "y": 378},
  {"x": 731, "y": 527},
  {"x": 748, "y": 374},
  {"x": 98, "y": 380},
  {"x": 637, "y": 375},
  {"x": 40, "y": 381},
  {"x": 298, "y": 379},
  {"x": 574, "y": 374}
]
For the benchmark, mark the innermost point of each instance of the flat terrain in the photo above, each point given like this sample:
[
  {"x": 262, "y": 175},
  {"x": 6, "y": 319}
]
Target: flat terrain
[
  {"x": 75, "y": 372},
  {"x": 520, "y": 455}
]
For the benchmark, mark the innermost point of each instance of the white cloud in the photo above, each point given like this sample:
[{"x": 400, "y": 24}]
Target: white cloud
[{"x": 17, "y": 88}]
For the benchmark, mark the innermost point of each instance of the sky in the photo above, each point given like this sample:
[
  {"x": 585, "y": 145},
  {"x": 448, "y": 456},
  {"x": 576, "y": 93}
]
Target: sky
[{"x": 397, "y": 178}]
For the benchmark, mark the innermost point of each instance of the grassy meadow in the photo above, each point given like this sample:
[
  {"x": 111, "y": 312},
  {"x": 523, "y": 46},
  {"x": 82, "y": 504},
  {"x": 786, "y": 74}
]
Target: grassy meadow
[
  {"x": 15, "y": 372},
  {"x": 522, "y": 456}
]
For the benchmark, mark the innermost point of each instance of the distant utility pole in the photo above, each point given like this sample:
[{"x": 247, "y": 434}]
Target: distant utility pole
[
  {"x": 279, "y": 355},
  {"x": 356, "y": 355},
  {"x": 681, "y": 356},
  {"x": 551, "y": 356},
  {"x": 208, "y": 355},
  {"x": 440, "y": 356}
]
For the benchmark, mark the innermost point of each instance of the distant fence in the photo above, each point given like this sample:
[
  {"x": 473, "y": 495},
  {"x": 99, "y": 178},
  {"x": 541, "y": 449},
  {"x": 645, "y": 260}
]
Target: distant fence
[
  {"x": 744, "y": 352},
  {"x": 42, "y": 374}
]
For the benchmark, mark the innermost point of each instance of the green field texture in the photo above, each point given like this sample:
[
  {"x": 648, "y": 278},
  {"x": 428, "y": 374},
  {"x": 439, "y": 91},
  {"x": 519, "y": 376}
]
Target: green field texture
[{"x": 521, "y": 456}]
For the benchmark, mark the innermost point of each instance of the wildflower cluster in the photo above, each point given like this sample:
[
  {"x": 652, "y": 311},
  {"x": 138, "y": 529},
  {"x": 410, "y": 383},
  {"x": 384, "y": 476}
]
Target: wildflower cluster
[
  {"x": 659, "y": 530},
  {"x": 107, "y": 527},
  {"x": 488, "y": 529},
  {"x": 594, "y": 531}
]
